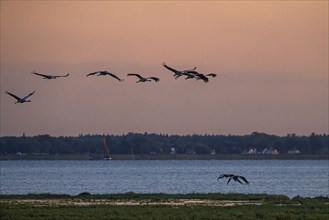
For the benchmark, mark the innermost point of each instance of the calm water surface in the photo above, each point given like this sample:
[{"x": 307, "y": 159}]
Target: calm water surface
[{"x": 307, "y": 178}]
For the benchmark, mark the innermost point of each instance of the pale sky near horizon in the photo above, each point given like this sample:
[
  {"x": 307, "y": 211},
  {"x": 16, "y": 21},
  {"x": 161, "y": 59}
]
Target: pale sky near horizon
[{"x": 271, "y": 58}]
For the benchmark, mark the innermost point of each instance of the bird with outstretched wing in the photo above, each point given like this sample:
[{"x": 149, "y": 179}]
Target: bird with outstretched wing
[
  {"x": 236, "y": 178},
  {"x": 104, "y": 73},
  {"x": 45, "y": 76},
  {"x": 144, "y": 79},
  {"x": 21, "y": 100}
]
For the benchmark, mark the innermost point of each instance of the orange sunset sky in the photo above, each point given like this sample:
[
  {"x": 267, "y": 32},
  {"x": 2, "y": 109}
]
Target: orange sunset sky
[{"x": 271, "y": 58}]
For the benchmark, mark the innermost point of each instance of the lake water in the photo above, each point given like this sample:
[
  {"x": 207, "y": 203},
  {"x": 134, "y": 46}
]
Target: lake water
[{"x": 307, "y": 178}]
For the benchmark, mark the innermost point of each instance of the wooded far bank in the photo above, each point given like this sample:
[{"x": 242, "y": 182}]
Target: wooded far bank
[{"x": 255, "y": 144}]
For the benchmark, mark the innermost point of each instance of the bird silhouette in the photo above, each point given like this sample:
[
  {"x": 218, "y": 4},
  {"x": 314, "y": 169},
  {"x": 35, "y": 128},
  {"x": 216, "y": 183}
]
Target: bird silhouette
[
  {"x": 143, "y": 79},
  {"x": 233, "y": 177},
  {"x": 177, "y": 73},
  {"x": 21, "y": 100},
  {"x": 192, "y": 74},
  {"x": 104, "y": 73},
  {"x": 45, "y": 76}
]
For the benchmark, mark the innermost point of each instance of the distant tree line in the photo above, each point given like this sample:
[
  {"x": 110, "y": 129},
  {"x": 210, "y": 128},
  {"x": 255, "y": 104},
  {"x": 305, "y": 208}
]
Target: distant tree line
[{"x": 137, "y": 143}]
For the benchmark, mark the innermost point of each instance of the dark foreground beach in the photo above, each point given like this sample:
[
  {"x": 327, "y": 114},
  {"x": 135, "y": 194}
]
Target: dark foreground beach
[{"x": 162, "y": 206}]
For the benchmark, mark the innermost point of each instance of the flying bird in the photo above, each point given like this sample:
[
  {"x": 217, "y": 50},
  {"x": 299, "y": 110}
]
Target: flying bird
[
  {"x": 104, "y": 73},
  {"x": 144, "y": 79},
  {"x": 225, "y": 176},
  {"x": 45, "y": 76},
  {"x": 21, "y": 100},
  {"x": 192, "y": 74},
  {"x": 233, "y": 177},
  {"x": 177, "y": 73}
]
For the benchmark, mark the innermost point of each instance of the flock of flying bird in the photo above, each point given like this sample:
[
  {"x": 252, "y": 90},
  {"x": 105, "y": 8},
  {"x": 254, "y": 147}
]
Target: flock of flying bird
[{"x": 189, "y": 74}]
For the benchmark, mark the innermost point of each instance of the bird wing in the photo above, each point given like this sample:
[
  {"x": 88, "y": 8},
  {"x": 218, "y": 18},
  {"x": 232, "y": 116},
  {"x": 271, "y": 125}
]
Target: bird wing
[
  {"x": 135, "y": 74},
  {"x": 244, "y": 179},
  {"x": 90, "y": 74},
  {"x": 15, "y": 96},
  {"x": 156, "y": 79},
  {"x": 228, "y": 180},
  {"x": 236, "y": 179},
  {"x": 63, "y": 76},
  {"x": 169, "y": 68},
  {"x": 39, "y": 74},
  {"x": 221, "y": 176},
  {"x": 114, "y": 76},
  {"x": 28, "y": 95}
]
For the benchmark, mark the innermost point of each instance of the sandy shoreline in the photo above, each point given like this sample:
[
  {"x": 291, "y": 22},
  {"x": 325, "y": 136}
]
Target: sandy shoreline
[{"x": 127, "y": 202}]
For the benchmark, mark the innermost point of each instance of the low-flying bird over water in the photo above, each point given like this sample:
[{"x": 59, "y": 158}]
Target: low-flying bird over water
[
  {"x": 45, "y": 76},
  {"x": 21, "y": 100},
  {"x": 177, "y": 73},
  {"x": 233, "y": 177},
  {"x": 104, "y": 73},
  {"x": 144, "y": 79}
]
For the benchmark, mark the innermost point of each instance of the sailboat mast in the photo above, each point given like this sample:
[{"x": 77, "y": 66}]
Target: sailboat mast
[{"x": 106, "y": 150}]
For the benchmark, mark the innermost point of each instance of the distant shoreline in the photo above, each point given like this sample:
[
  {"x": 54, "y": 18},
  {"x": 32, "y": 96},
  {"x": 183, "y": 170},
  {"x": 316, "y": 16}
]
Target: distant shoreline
[{"x": 168, "y": 157}]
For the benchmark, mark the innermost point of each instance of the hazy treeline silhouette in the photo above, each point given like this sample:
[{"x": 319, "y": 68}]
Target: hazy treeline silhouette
[{"x": 146, "y": 143}]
